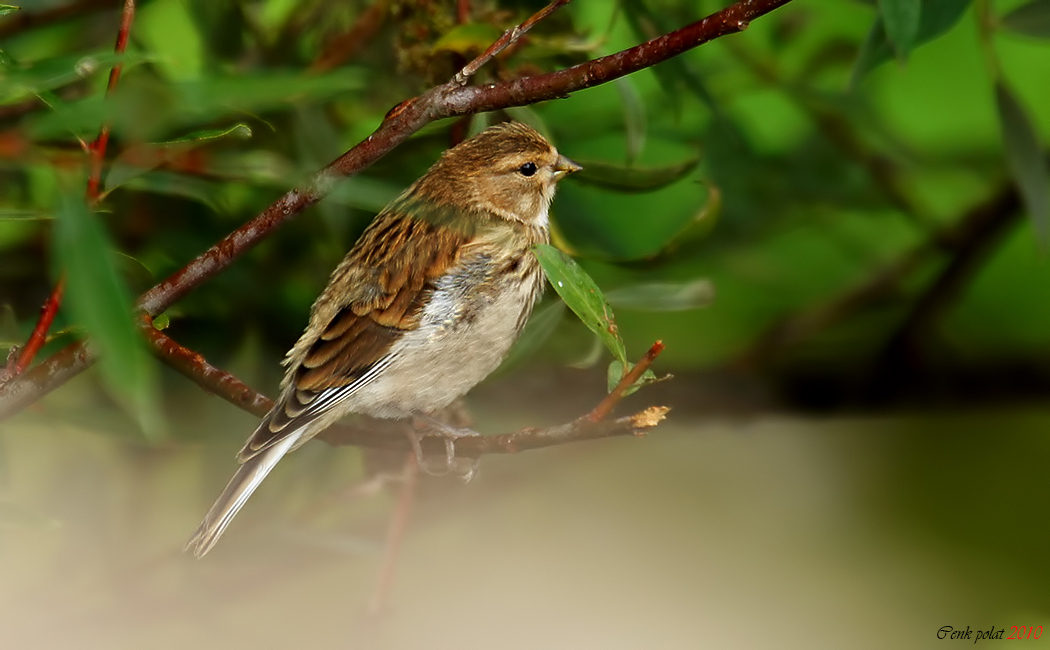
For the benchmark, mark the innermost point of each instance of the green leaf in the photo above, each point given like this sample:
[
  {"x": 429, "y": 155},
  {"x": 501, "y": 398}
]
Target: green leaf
[
  {"x": 468, "y": 40},
  {"x": 1032, "y": 19},
  {"x": 633, "y": 179},
  {"x": 1024, "y": 154},
  {"x": 8, "y": 9},
  {"x": 98, "y": 300},
  {"x": 635, "y": 123},
  {"x": 616, "y": 372},
  {"x": 936, "y": 18},
  {"x": 901, "y": 20},
  {"x": 663, "y": 296},
  {"x": 582, "y": 296}
]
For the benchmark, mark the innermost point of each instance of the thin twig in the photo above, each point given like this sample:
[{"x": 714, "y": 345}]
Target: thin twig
[
  {"x": 192, "y": 365},
  {"x": 39, "y": 335},
  {"x": 98, "y": 147},
  {"x": 462, "y": 12},
  {"x": 629, "y": 379},
  {"x": 509, "y": 37}
]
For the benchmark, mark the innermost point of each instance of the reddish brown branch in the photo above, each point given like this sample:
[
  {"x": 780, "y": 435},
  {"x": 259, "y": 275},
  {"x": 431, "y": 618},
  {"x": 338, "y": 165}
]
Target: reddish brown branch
[
  {"x": 629, "y": 379},
  {"x": 448, "y": 100},
  {"x": 39, "y": 335},
  {"x": 97, "y": 149},
  {"x": 197, "y": 369},
  {"x": 462, "y": 11}
]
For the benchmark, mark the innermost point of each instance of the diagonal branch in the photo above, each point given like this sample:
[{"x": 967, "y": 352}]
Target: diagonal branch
[{"x": 447, "y": 100}]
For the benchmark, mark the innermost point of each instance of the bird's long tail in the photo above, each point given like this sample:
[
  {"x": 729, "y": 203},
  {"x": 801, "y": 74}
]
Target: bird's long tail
[{"x": 233, "y": 498}]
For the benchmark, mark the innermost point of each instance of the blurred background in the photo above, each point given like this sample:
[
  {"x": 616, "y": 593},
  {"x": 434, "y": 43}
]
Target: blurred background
[{"x": 837, "y": 222}]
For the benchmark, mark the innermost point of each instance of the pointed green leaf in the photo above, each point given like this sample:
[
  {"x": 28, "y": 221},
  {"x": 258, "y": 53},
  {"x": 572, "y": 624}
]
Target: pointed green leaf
[
  {"x": 8, "y": 9},
  {"x": 582, "y": 296},
  {"x": 616, "y": 371},
  {"x": 468, "y": 39},
  {"x": 1032, "y": 19},
  {"x": 901, "y": 20},
  {"x": 1027, "y": 164},
  {"x": 633, "y": 179},
  {"x": 936, "y": 18},
  {"x": 97, "y": 299}
]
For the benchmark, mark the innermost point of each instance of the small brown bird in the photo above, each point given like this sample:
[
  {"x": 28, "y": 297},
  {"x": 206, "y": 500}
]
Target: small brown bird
[{"x": 425, "y": 305}]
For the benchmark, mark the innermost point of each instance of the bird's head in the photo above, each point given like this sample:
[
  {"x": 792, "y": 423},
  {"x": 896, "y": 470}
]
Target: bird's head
[{"x": 508, "y": 170}]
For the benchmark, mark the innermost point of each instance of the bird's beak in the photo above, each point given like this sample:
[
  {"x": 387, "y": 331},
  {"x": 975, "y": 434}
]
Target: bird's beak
[{"x": 563, "y": 167}]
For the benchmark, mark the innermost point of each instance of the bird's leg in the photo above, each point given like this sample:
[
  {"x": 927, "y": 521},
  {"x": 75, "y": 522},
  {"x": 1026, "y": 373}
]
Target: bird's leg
[{"x": 449, "y": 434}]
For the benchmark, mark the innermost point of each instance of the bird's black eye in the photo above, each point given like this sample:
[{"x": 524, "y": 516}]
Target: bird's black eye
[{"x": 528, "y": 169}]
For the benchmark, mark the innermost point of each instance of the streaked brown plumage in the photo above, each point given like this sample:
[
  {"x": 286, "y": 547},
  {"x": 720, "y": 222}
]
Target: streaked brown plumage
[{"x": 425, "y": 305}]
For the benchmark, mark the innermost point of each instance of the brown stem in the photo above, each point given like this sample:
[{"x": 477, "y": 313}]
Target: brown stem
[
  {"x": 509, "y": 37},
  {"x": 629, "y": 379},
  {"x": 97, "y": 148},
  {"x": 391, "y": 434},
  {"x": 39, "y": 335},
  {"x": 462, "y": 11},
  {"x": 447, "y": 100},
  {"x": 192, "y": 365}
]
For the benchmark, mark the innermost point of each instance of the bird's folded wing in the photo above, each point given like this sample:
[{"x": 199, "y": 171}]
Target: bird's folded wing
[{"x": 381, "y": 288}]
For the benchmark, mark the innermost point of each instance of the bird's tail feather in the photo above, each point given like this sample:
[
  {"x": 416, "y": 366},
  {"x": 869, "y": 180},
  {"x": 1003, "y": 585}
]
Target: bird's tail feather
[{"x": 233, "y": 498}]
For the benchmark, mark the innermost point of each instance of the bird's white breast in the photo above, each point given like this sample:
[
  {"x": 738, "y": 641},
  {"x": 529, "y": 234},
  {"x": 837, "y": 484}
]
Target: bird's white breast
[{"x": 466, "y": 329}]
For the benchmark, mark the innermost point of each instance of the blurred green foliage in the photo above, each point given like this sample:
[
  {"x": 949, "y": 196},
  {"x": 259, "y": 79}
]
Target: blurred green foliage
[{"x": 783, "y": 167}]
